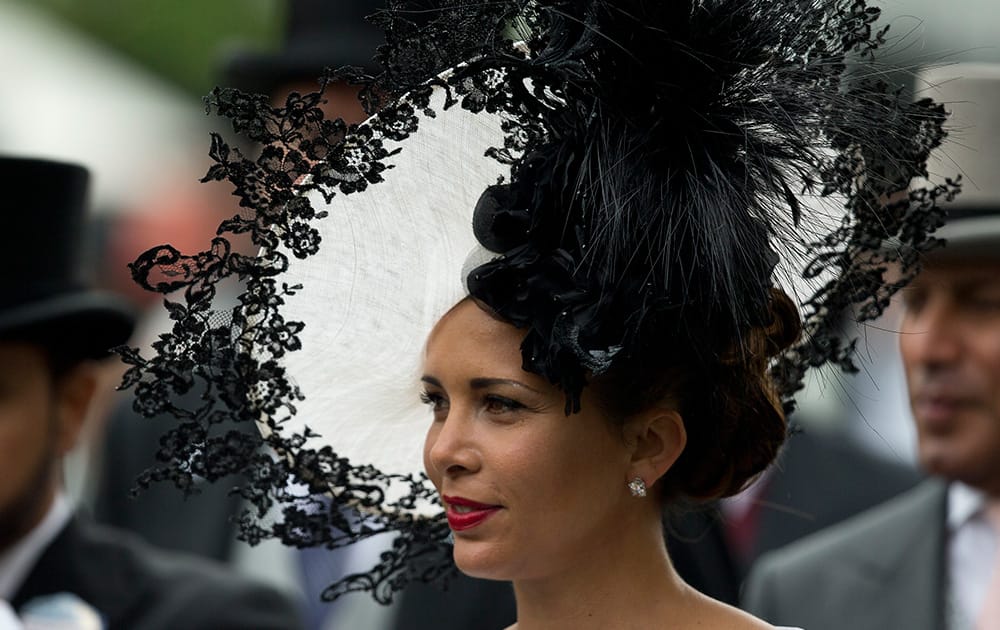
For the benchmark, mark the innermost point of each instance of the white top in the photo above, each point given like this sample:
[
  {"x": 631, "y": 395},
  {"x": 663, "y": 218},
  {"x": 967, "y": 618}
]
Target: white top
[
  {"x": 972, "y": 553},
  {"x": 16, "y": 562}
]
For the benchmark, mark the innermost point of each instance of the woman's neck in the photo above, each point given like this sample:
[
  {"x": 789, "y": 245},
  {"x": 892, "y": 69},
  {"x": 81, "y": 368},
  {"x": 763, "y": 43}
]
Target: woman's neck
[{"x": 628, "y": 579}]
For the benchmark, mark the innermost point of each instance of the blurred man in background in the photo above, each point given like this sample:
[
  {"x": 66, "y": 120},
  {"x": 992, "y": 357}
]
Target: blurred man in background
[
  {"x": 52, "y": 329},
  {"x": 930, "y": 559}
]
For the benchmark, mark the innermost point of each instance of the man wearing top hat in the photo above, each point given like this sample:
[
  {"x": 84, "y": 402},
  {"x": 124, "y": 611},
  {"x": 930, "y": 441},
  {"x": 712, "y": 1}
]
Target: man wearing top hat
[
  {"x": 54, "y": 564},
  {"x": 930, "y": 559}
]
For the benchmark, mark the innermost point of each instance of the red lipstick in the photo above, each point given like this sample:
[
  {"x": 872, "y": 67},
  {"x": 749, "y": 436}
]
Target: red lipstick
[{"x": 465, "y": 514}]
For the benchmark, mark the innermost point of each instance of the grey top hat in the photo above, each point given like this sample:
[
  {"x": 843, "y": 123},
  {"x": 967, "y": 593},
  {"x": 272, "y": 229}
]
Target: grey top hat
[
  {"x": 971, "y": 92},
  {"x": 318, "y": 33},
  {"x": 44, "y": 298}
]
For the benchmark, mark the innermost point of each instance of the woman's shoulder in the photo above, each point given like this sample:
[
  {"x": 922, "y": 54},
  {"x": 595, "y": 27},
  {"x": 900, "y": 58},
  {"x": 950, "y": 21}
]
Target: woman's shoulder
[
  {"x": 712, "y": 613},
  {"x": 514, "y": 627}
]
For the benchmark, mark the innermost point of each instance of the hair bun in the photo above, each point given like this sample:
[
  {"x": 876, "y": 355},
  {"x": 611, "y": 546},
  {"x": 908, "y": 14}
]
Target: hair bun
[{"x": 735, "y": 420}]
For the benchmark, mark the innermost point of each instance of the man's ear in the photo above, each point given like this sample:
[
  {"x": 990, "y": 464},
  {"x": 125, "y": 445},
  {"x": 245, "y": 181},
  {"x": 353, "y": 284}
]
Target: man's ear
[
  {"x": 74, "y": 392},
  {"x": 656, "y": 438}
]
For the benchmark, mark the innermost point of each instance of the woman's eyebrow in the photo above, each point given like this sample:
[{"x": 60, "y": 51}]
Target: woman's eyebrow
[{"x": 482, "y": 383}]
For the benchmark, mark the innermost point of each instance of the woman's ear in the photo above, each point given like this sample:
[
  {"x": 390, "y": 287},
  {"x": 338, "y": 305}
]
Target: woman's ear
[{"x": 656, "y": 438}]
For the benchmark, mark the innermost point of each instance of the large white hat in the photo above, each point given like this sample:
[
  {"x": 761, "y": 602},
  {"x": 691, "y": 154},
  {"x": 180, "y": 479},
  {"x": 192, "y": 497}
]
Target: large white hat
[{"x": 653, "y": 158}]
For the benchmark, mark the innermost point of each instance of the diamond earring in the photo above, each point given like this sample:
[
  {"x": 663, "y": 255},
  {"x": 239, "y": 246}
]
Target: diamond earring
[{"x": 637, "y": 487}]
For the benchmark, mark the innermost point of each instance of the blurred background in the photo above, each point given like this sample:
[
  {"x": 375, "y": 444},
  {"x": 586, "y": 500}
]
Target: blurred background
[{"x": 117, "y": 84}]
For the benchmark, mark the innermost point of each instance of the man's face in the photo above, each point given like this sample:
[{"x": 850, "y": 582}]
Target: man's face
[
  {"x": 950, "y": 344},
  {"x": 38, "y": 424}
]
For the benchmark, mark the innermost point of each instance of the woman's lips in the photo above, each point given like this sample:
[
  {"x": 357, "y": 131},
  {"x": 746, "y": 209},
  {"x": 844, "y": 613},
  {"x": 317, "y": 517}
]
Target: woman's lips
[{"x": 465, "y": 513}]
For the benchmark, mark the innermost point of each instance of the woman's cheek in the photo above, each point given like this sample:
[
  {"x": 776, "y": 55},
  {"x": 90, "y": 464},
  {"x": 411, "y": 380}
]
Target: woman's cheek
[{"x": 428, "y": 467}]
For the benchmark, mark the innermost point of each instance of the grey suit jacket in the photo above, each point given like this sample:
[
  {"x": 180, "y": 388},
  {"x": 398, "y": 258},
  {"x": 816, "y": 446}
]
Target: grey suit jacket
[{"x": 882, "y": 570}]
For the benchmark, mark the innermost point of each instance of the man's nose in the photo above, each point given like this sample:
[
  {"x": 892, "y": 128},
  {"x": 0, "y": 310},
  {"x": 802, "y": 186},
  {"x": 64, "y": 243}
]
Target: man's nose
[{"x": 931, "y": 335}]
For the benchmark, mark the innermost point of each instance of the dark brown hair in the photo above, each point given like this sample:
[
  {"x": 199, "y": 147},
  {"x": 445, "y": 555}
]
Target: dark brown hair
[{"x": 733, "y": 416}]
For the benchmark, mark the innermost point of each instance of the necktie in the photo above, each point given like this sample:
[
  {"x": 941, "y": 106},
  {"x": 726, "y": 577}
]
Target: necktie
[{"x": 989, "y": 614}]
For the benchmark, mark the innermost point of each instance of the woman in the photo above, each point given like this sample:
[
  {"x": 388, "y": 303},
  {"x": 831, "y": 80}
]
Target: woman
[
  {"x": 630, "y": 170},
  {"x": 570, "y": 509}
]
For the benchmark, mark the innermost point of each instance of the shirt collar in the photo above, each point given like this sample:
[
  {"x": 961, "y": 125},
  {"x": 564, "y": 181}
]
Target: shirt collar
[
  {"x": 16, "y": 562},
  {"x": 964, "y": 502}
]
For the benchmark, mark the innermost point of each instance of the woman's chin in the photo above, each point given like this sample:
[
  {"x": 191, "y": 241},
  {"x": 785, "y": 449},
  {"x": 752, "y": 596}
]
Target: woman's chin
[{"x": 481, "y": 560}]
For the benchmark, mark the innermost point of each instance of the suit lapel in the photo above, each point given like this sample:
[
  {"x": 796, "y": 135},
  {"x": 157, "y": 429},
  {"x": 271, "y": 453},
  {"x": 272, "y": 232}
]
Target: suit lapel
[
  {"x": 49, "y": 575},
  {"x": 72, "y": 564},
  {"x": 905, "y": 572}
]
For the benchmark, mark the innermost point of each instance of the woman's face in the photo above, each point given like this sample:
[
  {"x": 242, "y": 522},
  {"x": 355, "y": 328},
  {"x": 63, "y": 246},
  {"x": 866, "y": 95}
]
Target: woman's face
[{"x": 527, "y": 488}]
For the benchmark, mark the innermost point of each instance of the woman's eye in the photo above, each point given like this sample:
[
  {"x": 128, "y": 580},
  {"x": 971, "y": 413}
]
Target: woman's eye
[
  {"x": 499, "y": 404},
  {"x": 437, "y": 402}
]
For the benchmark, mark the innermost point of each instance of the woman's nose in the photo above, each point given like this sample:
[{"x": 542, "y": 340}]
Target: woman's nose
[{"x": 450, "y": 448}]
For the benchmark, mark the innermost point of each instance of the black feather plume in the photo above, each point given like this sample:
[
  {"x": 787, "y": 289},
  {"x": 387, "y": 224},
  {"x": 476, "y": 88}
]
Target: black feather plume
[{"x": 664, "y": 159}]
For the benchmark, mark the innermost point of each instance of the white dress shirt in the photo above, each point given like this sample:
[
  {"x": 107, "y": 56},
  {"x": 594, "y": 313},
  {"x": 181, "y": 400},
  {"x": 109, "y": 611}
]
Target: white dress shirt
[
  {"x": 17, "y": 562},
  {"x": 972, "y": 554}
]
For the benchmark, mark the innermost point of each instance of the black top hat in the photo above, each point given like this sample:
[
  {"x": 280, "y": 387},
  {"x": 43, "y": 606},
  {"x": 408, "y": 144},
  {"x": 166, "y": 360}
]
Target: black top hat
[
  {"x": 318, "y": 34},
  {"x": 43, "y": 297}
]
